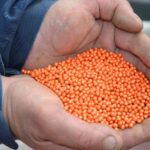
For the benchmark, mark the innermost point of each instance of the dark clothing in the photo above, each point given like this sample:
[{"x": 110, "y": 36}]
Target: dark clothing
[{"x": 20, "y": 21}]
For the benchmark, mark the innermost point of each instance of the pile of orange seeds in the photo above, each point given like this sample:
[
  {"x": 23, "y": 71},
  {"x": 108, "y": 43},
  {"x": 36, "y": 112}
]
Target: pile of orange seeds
[{"x": 99, "y": 87}]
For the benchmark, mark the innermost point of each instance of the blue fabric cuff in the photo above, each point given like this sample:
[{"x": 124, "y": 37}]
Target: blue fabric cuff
[
  {"x": 5, "y": 133},
  {"x": 27, "y": 31}
]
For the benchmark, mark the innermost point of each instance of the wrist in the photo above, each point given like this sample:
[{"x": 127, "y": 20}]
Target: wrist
[
  {"x": 8, "y": 88},
  {"x": 5, "y": 85},
  {"x": 6, "y": 136}
]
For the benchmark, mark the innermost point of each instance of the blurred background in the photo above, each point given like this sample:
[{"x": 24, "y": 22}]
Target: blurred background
[{"x": 142, "y": 8}]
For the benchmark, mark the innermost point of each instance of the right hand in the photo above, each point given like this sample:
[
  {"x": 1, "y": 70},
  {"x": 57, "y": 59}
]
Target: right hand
[{"x": 37, "y": 117}]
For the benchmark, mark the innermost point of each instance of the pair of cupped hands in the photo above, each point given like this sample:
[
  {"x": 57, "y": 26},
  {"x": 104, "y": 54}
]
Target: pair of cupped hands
[{"x": 36, "y": 115}]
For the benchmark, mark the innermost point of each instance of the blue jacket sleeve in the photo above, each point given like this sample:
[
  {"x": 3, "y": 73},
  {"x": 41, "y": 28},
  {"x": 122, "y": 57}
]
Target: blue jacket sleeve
[
  {"x": 20, "y": 21},
  {"x": 10, "y": 14}
]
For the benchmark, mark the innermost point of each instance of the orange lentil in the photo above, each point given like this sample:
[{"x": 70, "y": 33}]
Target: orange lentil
[{"x": 98, "y": 86}]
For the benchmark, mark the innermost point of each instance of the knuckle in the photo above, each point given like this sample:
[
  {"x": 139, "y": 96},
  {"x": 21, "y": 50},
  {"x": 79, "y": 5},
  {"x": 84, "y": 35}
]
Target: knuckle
[{"x": 85, "y": 141}]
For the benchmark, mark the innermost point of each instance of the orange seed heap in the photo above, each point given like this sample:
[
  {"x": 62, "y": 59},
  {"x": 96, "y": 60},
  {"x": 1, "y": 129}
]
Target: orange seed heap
[{"x": 99, "y": 87}]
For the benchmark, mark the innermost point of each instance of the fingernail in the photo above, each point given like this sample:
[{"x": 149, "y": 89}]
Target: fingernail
[{"x": 109, "y": 143}]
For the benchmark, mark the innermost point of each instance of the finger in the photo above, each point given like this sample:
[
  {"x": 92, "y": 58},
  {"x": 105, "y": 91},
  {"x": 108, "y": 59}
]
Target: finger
[
  {"x": 138, "y": 44},
  {"x": 124, "y": 17},
  {"x": 51, "y": 146},
  {"x": 106, "y": 38},
  {"x": 137, "y": 135},
  {"x": 131, "y": 58},
  {"x": 119, "y": 12},
  {"x": 72, "y": 132}
]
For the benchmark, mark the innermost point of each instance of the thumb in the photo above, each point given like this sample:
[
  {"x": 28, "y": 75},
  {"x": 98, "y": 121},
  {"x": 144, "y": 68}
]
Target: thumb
[
  {"x": 119, "y": 12},
  {"x": 77, "y": 134},
  {"x": 109, "y": 143},
  {"x": 125, "y": 18}
]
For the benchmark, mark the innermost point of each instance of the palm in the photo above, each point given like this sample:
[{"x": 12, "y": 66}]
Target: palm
[
  {"x": 37, "y": 117},
  {"x": 74, "y": 26},
  {"x": 98, "y": 33}
]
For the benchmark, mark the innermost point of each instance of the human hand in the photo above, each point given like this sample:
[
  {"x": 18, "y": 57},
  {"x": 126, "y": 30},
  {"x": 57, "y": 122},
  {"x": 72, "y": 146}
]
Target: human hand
[
  {"x": 72, "y": 26},
  {"x": 84, "y": 24},
  {"x": 37, "y": 117},
  {"x": 138, "y": 47}
]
